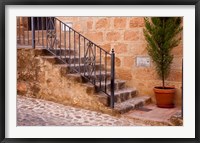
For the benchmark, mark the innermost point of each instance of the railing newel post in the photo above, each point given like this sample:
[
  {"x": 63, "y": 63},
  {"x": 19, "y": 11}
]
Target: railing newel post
[{"x": 112, "y": 78}]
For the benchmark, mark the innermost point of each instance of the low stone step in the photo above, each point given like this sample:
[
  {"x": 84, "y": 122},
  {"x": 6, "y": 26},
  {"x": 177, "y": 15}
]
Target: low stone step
[
  {"x": 63, "y": 51},
  {"x": 42, "y": 52},
  {"x": 96, "y": 76},
  {"x": 52, "y": 59},
  {"x": 119, "y": 95},
  {"x": 124, "y": 94},
  {"x": 73, "y": 59},
  {"x": 119, "y": 84},
  {"x": 131, "y": 104},
  {"x": 85, "y": 77},
  {"x": 75, "y": 68}
]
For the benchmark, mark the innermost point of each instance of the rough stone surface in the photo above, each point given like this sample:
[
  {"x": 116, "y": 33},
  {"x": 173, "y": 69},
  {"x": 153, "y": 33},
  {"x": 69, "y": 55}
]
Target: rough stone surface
[
  {"x": 136, "y": 22},
  {"x": 177, "y": 119},
  {"x": 123, "y": 73},
  {"x": 106, "y": 47},
  {"x": 113, "y": 36},
  {"x": 46, "y": 81},
  {"x": 133, "y": 103},
  {"x": 119, "y": 23},
  {"x": 102, "y": 23},
  {"x": 121, "y": 48},
  {"x": 36, "y": 112},
  {"x": 21, "y": 88},
  {"x": 131, "y": 35},
  {"x": 95, "y": 36}
]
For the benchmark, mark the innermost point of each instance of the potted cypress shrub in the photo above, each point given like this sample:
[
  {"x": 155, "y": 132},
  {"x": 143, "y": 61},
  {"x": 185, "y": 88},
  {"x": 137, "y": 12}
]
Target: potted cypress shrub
[{"x": 162, "y": 35}]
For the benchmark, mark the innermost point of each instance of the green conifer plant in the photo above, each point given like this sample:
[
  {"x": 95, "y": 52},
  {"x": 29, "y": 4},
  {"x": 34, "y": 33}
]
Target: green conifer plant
[{"x": 162, "y": 35}]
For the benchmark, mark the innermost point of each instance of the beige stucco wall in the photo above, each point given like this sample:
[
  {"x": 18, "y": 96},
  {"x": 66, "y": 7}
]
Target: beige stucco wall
[{"x": 125, "y": 36}]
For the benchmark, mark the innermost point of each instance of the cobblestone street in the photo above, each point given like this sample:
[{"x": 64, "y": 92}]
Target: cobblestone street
[{"x": 36, "y": 112}]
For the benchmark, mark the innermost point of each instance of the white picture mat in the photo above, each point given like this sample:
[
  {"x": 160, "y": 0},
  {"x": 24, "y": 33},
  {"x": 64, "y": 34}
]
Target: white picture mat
[{"x": 186, "y": 131}]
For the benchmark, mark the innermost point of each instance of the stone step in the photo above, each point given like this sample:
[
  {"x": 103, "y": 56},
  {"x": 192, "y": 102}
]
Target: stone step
[
  {"x": 119, "y": 95},
  {"x": 42, "y": 52},
  {"x": 39, "y": 41},
  {"x": 85, "y": 77},
  {"x": 70, "y": 59},
  {"x": 63, "y": 51},
  {"x": 51, "y": 52},
  {"x": 119, "y": 84},
  {"x": 124, "y": 94},
  {"x": 131, "y": 104},
  {"x": 96, "y": 76},
  {"x": 52, "y": 59},
  {"x": 75, "y": 68},
  {"x": 73, "y": 59}
]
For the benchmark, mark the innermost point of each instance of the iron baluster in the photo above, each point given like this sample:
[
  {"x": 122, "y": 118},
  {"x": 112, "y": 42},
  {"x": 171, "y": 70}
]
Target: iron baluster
[
  {"x": 100, "y": 69},
  {"x": 112, "y": 78},
  {"x": 65, "y": 41},
  {"x": 84, "y": 56},
  {"x": 18, "y": 29},
  {"x": 60, "y": 40},
  {"x": 70, "y": 48},
  {"x": 33, "y": 32},
  {"x": 105, "y": 71},
  {"x": 38, "y": 30},
  {"x": 28, "y": 30},
  {"x": 95, "y": 76},
  {"x": 42, "y": 31},
  {"x": 46, "y": 33},
  {"x": 56, "y": 41},
  {"x": 74, "y": 48},
  {"x": 51, "y": 34},
  {"x": 23, "y": 30},
  {"x": 79, "y": 54}
]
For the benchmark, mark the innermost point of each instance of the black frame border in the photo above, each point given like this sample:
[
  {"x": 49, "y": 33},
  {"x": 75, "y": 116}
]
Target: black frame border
[{"x": 3, "y": 4}]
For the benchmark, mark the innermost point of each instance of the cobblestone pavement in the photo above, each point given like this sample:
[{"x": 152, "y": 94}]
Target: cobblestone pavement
[{"x": 36, "y": 112}]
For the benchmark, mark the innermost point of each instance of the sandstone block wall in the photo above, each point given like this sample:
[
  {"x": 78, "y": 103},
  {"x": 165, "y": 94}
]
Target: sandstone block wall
[{"x": 125, "y": 35}]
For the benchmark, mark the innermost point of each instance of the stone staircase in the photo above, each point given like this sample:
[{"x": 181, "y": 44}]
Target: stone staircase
[{"x": 125, "y": 98}]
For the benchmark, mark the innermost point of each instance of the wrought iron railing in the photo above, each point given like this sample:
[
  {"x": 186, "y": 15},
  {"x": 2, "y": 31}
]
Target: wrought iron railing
[{"x": 80, "y": 54}]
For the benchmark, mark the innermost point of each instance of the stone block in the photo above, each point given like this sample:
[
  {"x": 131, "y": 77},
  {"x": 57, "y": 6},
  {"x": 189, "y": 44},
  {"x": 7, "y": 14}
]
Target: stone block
[
  {"x": 136, "y": 22},
  {"x": 131, "y": 35},
  {"x": 106, "y": 47},
  {"x": 95, "y": 36},
  {"x": 175, "y": 75},
  {"x": 113, "y": 36},
  {"x": 21, "y": 88},
  {"x": 117, "y": 61},
  {"x": 124, "y": 74},
  {"x": 102, "y": 23},
  {"x": 128, "y": 61},
  {"x": 145, "y": 73},
  {"x": 120, "y": 22},
  {"x": 178, "y": 50},
  {"x": 137, "y": 48},
  {"x": 177, "y": 63},
  {"x": 89, "y": 25},
  {"x": 120, "y": 48}
]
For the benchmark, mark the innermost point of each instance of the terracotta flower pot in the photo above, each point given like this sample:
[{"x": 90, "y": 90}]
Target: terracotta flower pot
[{"x": 165, "y": 96}]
